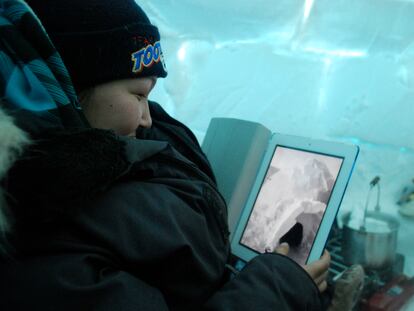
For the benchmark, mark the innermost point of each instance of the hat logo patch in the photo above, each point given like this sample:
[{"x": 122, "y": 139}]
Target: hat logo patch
[{"x": 146, "y": 57}]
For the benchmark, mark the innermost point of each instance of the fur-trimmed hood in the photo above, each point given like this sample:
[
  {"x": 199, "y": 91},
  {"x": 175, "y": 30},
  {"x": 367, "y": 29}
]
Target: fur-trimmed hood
[{"x": 12, "y": 141}]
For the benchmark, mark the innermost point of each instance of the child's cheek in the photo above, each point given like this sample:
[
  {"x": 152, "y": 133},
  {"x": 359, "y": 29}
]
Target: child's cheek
[{"x": 131, "y": 116}]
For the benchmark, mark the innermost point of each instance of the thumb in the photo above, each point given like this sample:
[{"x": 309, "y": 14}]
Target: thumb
[{"x": 282, "y": 249}]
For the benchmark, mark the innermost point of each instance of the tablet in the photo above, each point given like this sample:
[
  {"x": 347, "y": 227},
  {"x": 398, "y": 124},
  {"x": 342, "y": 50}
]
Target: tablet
[{"x": 295, "y": 198}]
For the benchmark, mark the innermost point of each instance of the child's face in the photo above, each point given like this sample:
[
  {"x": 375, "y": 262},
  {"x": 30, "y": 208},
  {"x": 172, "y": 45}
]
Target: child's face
[{"x": 120, "y": 105}]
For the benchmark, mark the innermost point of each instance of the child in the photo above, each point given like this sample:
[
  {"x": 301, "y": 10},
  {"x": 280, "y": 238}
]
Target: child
[{"x": 109, "y": 222}]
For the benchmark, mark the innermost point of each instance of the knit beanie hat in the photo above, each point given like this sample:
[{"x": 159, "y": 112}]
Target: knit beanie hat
[{"x": 102, "y": 40}]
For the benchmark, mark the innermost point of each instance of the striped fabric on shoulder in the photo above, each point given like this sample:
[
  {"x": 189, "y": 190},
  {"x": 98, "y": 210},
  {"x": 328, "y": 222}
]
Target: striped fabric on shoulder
[{"x": 35, "y": 86}]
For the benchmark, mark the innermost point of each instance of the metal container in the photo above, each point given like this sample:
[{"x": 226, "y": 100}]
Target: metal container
[{"x": 369, "y": 247}]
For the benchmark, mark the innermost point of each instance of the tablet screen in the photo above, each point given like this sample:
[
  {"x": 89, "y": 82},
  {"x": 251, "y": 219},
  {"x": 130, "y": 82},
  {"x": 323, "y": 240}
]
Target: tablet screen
[{"x": 291, "y": 202}]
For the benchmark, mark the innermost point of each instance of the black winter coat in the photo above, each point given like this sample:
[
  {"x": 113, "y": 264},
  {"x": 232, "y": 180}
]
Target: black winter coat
[{"x": 131, "y": 224}]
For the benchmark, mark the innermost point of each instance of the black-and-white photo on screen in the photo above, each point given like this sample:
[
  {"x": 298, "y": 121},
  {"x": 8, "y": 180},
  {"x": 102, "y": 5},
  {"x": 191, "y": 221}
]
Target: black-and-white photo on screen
[{"x": 291, "y": 202}]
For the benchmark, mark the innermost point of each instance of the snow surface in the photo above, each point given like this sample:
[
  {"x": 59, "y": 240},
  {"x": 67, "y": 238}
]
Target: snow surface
[{"x": 340, "y": 70}]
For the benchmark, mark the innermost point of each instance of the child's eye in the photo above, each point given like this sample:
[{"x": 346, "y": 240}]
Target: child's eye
[{"x": 141, "y": 96}]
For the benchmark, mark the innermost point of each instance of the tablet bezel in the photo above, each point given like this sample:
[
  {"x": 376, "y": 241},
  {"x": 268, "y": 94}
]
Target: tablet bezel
[{"x": 347, "y": 152}]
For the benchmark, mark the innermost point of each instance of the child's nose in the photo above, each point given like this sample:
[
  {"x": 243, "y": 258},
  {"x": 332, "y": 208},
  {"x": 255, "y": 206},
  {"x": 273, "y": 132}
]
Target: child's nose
[{"x": 146, "y": 120}]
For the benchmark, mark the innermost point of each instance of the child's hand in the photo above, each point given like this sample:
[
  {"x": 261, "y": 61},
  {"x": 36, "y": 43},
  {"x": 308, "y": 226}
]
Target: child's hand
[{"x": 318, "y": 270}]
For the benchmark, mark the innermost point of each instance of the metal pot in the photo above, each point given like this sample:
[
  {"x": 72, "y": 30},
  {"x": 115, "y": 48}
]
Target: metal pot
[{"x": 367, "y": 245}]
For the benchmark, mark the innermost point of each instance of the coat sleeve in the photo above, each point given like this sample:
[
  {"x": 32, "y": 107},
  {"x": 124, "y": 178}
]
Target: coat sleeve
[
  {"x": 268, "y": 282},
  {"x": 165, "y": 235}
]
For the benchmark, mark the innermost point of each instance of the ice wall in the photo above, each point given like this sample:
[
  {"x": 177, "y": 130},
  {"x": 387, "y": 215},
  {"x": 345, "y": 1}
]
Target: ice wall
[{"x": 332, "y": 69}]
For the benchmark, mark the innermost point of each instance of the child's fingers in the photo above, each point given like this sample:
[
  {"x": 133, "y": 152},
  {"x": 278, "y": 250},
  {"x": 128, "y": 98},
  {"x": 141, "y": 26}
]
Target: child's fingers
[
  {"x": 282, "y": 249},
  {"x": 318, "y": 271},
  {"x": 322, "y": 286},
  {"x": 321, "y": 278},
  {"x": 316, "y": 268}
]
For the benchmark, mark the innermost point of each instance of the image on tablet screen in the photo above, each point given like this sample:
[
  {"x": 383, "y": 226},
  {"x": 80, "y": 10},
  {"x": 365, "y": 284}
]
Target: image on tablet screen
[{"x": 291, "y": 202}]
